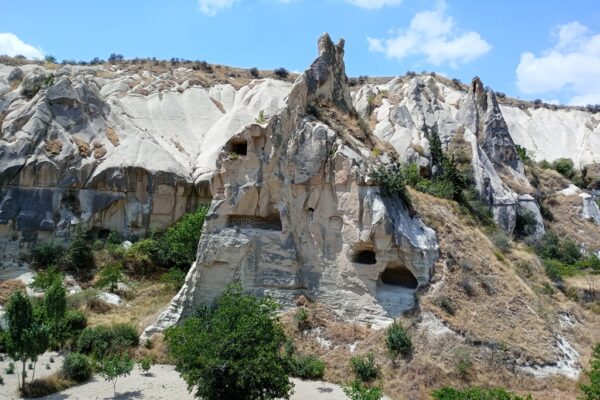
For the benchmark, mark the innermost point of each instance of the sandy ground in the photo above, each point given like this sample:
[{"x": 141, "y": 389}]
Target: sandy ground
[
  {"x": 163, "y": 383},
  {"x": 43, "y": 368}
]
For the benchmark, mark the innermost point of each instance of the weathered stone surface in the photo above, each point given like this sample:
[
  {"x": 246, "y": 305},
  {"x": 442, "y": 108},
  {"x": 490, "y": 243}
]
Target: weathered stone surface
[{"x": 294, "y": 216}]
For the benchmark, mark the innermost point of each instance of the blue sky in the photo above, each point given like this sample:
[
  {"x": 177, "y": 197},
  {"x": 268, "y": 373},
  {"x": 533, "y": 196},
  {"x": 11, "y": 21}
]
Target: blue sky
[{"x": 548, "y": 49}]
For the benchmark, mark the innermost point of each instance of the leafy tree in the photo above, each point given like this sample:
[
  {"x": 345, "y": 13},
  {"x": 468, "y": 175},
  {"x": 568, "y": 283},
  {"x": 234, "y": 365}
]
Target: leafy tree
[
  {"x": 50, "y": 59},
  {"x": 398, "y": 340},
  {"x": 26, "y": 337},
  {"x": 110, "y": 276},
  {"x": 55, "y": 305},
  {"x": 591, "y": 391},
  {"x": 232, "y": 351},
  {"x": 114, "y": 367},
  {"x": 435, "y": 148},
  {"x": 179, "y": 243}
]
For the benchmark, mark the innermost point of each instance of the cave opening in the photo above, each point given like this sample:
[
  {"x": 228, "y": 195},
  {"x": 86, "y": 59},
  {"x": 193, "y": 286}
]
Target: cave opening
[
  {"x": 399, "y": 276},
  {"x": 365, "y": 257}
]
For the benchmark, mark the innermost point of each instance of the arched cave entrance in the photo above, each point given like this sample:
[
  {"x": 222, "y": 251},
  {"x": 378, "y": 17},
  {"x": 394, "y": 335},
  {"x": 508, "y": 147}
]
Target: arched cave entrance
[
  {"x": 396, "y": 289},
  {"x": 364, "y": 257}
]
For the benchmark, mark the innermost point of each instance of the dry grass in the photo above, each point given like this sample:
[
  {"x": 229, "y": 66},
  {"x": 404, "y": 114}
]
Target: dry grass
[
  {"x": 148, "y": 298},
  {"x": 9, "y": 287},
  {"x": 47, "y": 385},
  {"x": 568, "y": 222},
  {"x": 53, "y": 146},
  {"x": 112, "y": 136},
  {"x": 83, "y": 146}
]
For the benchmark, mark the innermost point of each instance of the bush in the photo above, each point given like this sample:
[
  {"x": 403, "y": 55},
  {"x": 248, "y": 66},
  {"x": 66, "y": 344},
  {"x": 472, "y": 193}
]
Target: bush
[
  {"x": 307, "y": 367},
  {"x": 500, "y": 240},
  {"x": 110, "y": 276},
  {"x": 102, "y": 340},
  {"x": 591, "y": 390},
  {"x": 301, "y": 317},
  {"x": 462, "y": 362},
  {"x": 398, "y": 340},
  {"x": 525, "y": 224},
  {"x": 79, "y": 256},
  {"x": 114, "y": 238},
  {"x": 522, "y": 153},
  {"x": 240, "y": 332},
  {"x": 565, "y": 167},
  {"x": 447, "y": 393},
  {"x": 145, "y": 365},
  {"x": 77, "y": 367},
  {"x": 174, "y": 278},
  {"x": 254, "y": 72},
  {"x": 365, "y": 368},
  {"x": 356, "y": 390},
  {"x": 141, "y": 256},
  {"x": 179, "y": 244},
  {"x": 44, "y": 279},
  {"x": 281, "y": 73},
  {"x": 75, "y": 321},
  {"x": 46, "y": 254},
  {"x": 46, "y": 386}
]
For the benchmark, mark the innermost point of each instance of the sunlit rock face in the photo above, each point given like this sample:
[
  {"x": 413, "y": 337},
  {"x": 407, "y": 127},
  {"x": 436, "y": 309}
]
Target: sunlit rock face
[
  {"x": 293, "y": 213},
  {"x": 112, "y": 148}
]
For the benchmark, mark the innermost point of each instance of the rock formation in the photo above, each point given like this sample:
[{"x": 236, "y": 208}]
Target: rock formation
[
  {"x": 293, "y": 214},
  {"x": 113, "y": 149}
]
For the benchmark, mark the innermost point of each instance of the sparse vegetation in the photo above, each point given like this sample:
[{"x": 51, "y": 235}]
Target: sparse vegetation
[
  {"x": 398, "y": 340},
  {"x": 357, "y": 390},
  {"x": 307, "y": 367},
  {"x": 475, "y": 394},
  {"x": 591, "y": 390}
]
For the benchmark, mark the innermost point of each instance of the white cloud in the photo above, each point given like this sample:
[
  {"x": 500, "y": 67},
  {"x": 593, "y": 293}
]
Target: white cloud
[
  {"x": 571, "y": 67},
  {"x": 11, "y": 45},
  {"x": 433, "y": 34},
  {"x": 374, "y": 4},
  {"x": 212, "y": 7}
]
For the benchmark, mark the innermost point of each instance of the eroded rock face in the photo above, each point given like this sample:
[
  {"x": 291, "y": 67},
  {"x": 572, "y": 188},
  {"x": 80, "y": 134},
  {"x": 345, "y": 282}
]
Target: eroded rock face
[
  {"x": 294, "y": 215},
  {"x": 471, "y": 128},
  {"x": 113, "y": 149}
]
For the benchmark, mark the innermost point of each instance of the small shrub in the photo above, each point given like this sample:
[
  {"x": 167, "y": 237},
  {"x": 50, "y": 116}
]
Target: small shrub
[
  {"x": 261, "y": 119},
  {"x": 114, "y": 238},
  {"x": 145, "y": 365},
  {"x": 142, "y": 256},
  {"x": 79, "y": 255},
  {"x": 75, "y": 321},
  {"x": 102, "y": 340},
  {"x": 525, "y": 224},
  {"x": 281, "y": 73},
  {"x": 307, "y": 367},
  {"x": 398, "y": 340},
  {"x": 77, "y": 367},
  {"x": 254, "y": 72},
  {"x": 10, "y": 369},
  {"x": 365, "y": 368},
  {"x": 565, "y": 167},
  {"x": 98, "y": 245},
  {"x": 357, "y": 390},
  {"x": 462, "y": 362},
  {"x": 446, "y": 304},
  {"x": 174, "y": 278},
  {"x": 46, "y": 254},
  {"x": 125, "y": 334},
  {"x": 110, "y": 276},
  {"x": 500, "y": 240},
  {"x": 1, "y": 380},
  {"x": 301, "y": 317}
]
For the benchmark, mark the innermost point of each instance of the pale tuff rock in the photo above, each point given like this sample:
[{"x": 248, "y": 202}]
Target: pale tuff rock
[
  {"x": 292, "y": 215},
  {"x": 113, "y": 149}
]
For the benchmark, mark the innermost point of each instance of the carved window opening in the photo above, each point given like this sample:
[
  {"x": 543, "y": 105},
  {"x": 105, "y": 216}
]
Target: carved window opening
[
  {"x": 399, "y": 276},
  {"x": 239, "y": 147}
]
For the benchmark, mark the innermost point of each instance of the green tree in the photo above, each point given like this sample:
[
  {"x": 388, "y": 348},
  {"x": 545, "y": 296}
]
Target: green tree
[
  {"x": 179, "y": 244},
  {"x": 110, "y": 276},
  {"x": 79, "y": 256},
  {"x": 591, "y": 391},
  {"x": 55, "y": 306},
  {"x": 233, "y": 350},
  {"x": 112, "y": 368},
  {"x": 435, "y": 148},
  {"x": 26, "y": 338},
  {"x": 44, "y": 279}
]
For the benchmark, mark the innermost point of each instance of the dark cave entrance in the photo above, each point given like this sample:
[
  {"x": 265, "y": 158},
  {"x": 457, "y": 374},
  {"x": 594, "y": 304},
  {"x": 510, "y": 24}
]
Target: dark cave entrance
[{"x": 399, "y": 275}]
